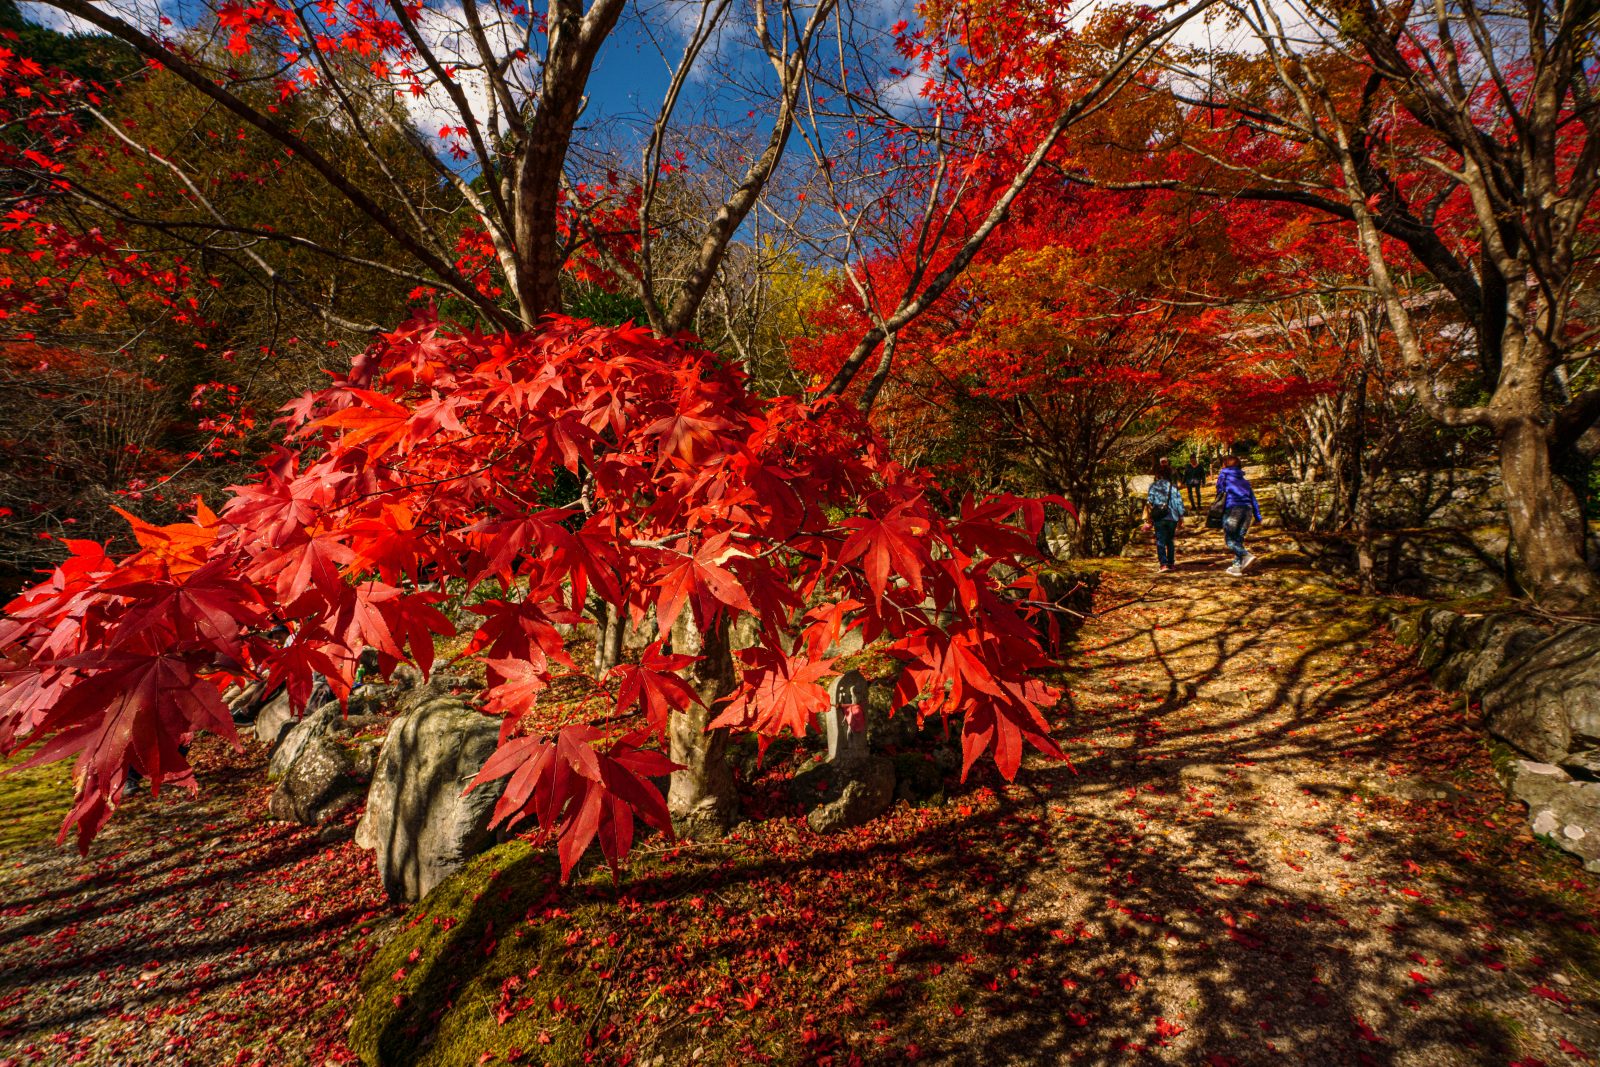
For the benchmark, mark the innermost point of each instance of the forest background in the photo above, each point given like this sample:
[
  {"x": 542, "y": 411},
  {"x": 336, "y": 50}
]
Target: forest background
[{"x": 1037, "y": 247}]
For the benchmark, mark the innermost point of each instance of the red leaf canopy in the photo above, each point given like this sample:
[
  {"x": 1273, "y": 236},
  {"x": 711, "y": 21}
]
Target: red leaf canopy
[{"x": 438, "y": 460}]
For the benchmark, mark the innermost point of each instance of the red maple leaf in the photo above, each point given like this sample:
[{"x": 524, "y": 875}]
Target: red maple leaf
[
  {"x": 782, "y": 693},
  {"x": 701, "y": 577},
  {"x": 653, "y": 685},
  {"x": 896, "y": 543}
]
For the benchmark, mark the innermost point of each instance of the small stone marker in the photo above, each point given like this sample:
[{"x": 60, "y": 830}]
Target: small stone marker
[{"x": 846, "y": 721}]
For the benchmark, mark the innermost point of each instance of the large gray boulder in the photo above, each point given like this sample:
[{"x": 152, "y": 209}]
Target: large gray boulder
[
  {"x": 1547, "y": 704},
  {"x": 321, "y": 766},
  {"x": 274, "y": 720},
  {"x": 329, "y": 720},
  {"x": 1467, "y": 653},
  {"x": 1449, "y": 646},
  {"x": 301, "y": 735},
  {"x": 1563, "y": 811},
  {"x": 418, "y": 821},
  {"x": 1444, "y": 635},
  {"x": 1506, "y": 640},
  {"x": 323, "y": 783}
]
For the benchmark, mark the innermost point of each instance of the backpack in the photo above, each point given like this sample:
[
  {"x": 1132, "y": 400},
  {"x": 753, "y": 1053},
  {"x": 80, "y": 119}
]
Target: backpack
[
  {"x": 1216, "y": 514},
  {"x": 1161, "y": 512}
]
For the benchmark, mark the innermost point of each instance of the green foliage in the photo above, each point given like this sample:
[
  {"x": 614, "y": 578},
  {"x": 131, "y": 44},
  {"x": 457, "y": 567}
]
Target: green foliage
[
  {"x": 94, "y": 57},
  {"x": 606, "y": 309}
]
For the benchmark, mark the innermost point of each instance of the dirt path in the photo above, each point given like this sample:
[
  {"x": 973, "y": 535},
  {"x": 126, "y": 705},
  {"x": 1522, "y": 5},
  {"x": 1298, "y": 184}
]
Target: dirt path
[
  {"x": 1294, "y": 847},
  {"x": 1276, "y": 843}
]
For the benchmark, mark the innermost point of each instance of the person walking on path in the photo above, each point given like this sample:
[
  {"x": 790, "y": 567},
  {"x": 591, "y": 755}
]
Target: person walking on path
[
  {"x": 1194, "y": 476},
  {"x": 1239, "y": 508},
  {"x": 1163, "y": 512}
]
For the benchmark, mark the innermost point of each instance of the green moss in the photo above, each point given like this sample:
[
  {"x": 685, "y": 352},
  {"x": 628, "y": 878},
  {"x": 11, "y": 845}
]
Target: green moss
[
  {"x": 429, "y": 996},
  {"x": 35, "y": 801},
  {"x": 1501, "y": 756},
  {"x": 502, "y": 964}
]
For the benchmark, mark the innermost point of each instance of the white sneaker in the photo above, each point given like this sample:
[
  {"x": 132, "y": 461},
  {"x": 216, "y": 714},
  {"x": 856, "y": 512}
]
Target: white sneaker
[
  {"x": 1234, "y": 570},
  {"x": 1248, "y": 562}
]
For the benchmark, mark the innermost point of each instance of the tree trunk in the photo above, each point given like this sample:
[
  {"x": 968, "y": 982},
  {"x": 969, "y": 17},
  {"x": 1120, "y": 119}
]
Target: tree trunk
[
  {"x": 701, "y": 797},
  {"x": 1545, "y": 524},
  {"x": 612, "y": 622},
  {"x": 1353, "y": 430},
  {"x": 1363, "y": 519},
  {"x": 574, "y": 39}
]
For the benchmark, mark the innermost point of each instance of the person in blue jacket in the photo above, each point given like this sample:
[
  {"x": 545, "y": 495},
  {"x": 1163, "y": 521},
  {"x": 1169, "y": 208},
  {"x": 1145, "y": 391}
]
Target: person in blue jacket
[
  {"x": 1163, "y": 512},
  {"x": 1239, "y": 508}
]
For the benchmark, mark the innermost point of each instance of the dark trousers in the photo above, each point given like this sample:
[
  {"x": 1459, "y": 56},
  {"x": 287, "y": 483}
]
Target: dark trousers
[
  {"x": 1194, "y": 496},
  {"x": 1166, "y": 551},
  {"x": 1235, "y": 524}
]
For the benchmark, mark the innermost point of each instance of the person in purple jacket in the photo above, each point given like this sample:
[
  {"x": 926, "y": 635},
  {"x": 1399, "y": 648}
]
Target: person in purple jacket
[{"x": 1239, "y": 508}]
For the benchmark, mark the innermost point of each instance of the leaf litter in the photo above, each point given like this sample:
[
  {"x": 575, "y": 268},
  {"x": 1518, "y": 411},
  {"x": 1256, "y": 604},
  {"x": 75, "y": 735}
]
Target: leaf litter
[{"x": 1275, "y": 841}]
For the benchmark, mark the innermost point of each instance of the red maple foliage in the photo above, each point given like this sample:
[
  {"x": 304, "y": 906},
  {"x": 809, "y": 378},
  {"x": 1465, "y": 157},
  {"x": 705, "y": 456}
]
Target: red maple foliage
[
  {"x": 436, "y": 459},
  {"x": 1092, "y": 319}
]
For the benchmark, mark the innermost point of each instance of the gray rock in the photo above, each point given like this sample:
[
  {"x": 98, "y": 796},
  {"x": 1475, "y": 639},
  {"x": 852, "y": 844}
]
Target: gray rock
[
  {"x": 418, "y": 821},
  {"x": 853, "y": 798},
  {"x": 364, "y": 758},
  {"x": 850, "y": 642},
  {"x": 1506, "y": 641},
  {"x": 1438, "y": 628},
  {"x": 321, "y": 784},
  {"x": 405, "y": 677},
  {"x": 1448, "y": 645},
  {"x": 1563, "y": 811},
  {"x": 1407, "y": 628},
  {"x": 1548, "y": 703},
  {"x": 274, "y": 720},
  {"x": 301, "y": 736}
]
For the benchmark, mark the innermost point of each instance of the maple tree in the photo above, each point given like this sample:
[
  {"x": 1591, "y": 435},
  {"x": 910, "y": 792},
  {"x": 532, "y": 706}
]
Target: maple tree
[
  {"x": 697, "y": 498},
  {"x": 1088, "y": 332},
  {"x": 1457, "y": 150},
  {"x": 928, "y": 164}
]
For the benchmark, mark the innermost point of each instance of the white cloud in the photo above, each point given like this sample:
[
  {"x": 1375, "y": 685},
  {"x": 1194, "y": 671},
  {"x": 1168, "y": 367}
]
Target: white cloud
[
  {"x": 142, "y": 13},
  {"x": 903, "y": 95}
]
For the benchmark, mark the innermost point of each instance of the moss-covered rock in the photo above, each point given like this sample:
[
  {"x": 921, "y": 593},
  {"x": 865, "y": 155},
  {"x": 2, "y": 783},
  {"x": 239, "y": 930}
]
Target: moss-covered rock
[
  {"x": 35, "y": 801},
  {"x": 432, "y": 996},
  {"x": 724, "y": 953}
]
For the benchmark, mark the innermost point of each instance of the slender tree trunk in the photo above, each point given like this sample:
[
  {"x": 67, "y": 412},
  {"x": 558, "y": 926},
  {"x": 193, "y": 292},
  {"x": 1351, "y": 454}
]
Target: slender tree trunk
[
  {"x": 1352, "y": 459},
  {"x": 611, "y": 626},
  {"x": 574, "y": 40},
  {"x": 1365, "y": 493},
  {"x": 701, "y": 797},
  {"x": 1544, "y": 519}
]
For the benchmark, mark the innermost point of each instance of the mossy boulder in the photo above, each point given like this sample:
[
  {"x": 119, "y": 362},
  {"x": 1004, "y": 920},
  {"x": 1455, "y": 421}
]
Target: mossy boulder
[
  {"x": 761, "y": 948},
  {"x": 443, "y": 991}
]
